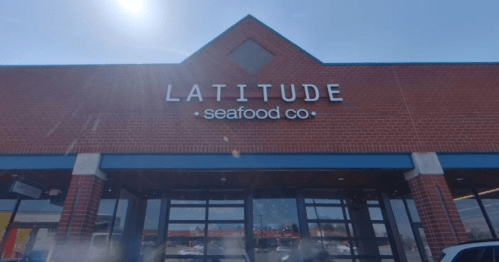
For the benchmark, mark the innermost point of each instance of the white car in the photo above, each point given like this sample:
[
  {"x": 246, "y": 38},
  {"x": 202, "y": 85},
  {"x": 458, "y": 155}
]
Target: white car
[
  {"x": 199, "y": 247},
  {"x": 186, "y": 252},
  {"x": 343, "y": 249},
  {"x": 483, "y": 251},
  {"x": 283, "y": 249}
]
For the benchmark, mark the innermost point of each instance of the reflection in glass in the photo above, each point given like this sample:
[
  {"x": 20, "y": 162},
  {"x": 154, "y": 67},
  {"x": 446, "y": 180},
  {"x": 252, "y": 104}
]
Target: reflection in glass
[
  {"x": 332, "y": 247},
  {"x": 322, "y": 201},
  {"x": 7, "y": 205},
  {"x": 150, "y": 232},
  {"x": 187, "y": 202},
  {"x": 20, "y": 238},
  {"x": 45, "y": 239},
  {"x": 327, "y": 230},
  {"x": 226, "y": 197},
  {"x": 38, "y": 205},
  {"x": 184, "y": 247},
  {"x": 226, "y": 213},
  {"x": 311, "y": 213},
  {"x": 325, "y": 213},
  {"x": 184, "y": 260},
  {"x": 105, "y": 215},
  {"x": 472, "y": 218},
  {"x": 413, "y": 210},
  {"x": 426, "y": 245},
  {"x": 275, "y": 215},
  {"x": 372, "y": 247},
  {"x": 151, "y": 221},
  {"x": 380, "y": 230},
  {"x": 37, "y": 211},
  {"x": 350, "y": 227},
  {"x": 271, "y": 249},
  {"x": 194, "y": 197},
  {"x": 375, "y": 213},
  {"x": 185, "y": 230},
  {"x": 225, "y": 260},
  {"x": 492, "y": 208},
  {"x": 226, "y": 202},
  {"x": 119, "y": 223},
  {"x": 25, "y": 239},
  {"x": 225, "y": 230},
  {"x": 405, "y": 230},
  {"x": 226, "y": 246},
  {"x": 276, "y": 230},
  {"x": 187, "y": 213}
]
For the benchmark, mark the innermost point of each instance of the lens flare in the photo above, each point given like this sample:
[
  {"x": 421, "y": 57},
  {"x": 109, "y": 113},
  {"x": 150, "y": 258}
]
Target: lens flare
[{"x": 235, "y": 153}]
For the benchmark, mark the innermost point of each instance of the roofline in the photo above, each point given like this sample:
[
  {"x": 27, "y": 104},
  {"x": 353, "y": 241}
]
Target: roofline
[
  {"x": 218, "y": 37},
  {"x": 408, "y": 63},
  {"x": 323, "y": 64},
  {"x": 287, "y": 40},
  {"x": 262, "y": 24},
  {"x": 329, "y": 64}
]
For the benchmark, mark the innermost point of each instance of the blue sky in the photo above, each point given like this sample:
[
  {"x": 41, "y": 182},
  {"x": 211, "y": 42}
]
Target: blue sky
[{"x": 46, "y": 32}]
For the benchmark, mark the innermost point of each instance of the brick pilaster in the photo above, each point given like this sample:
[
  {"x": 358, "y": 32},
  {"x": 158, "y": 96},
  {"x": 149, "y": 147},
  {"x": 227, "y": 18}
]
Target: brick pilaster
[
  {"x": 80, "y": 209},
  {"x": 437, "y": 210}
]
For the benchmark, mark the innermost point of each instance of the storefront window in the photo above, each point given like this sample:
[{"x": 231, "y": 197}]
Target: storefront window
[
  {"x": 472, "y": 218},
  {"x": 491, "y": 204},
  {"x": 276, "y": 231},
  {"x": 150, "y": 231},
  {"x": 425, "y": 244},
  {"x": 38, "y": 211},
  {"x": 346, "y": 226},
  {"x": 411, "y": 205},
  {"x": 405, "y": 230},
  {"x": 33, "y": 229},
  {"x": 6, "y": 207},
  {"x": 204, "y": 224},
  {"x": 105, "y": 215}
]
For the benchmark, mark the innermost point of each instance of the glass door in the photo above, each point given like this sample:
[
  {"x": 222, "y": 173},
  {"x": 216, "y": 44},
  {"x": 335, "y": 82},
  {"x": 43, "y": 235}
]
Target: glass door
[
  {"x": 274, "y": 226},
  {"x": 205, "y": 226},
  {"x": 410, "y": 229},
  {"x": 276, "y": 229},
  {"x": 346, "y": 226}
]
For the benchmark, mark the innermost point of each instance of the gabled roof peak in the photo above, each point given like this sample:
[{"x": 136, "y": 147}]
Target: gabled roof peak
[{"x": 250, "y": 33}]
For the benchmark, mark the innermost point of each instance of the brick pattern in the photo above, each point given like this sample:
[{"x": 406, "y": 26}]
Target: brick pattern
[
  {"x": 386, "y": 108},
  {"x": 439, "y": 231},
  {"x": 78, "y": 228}
]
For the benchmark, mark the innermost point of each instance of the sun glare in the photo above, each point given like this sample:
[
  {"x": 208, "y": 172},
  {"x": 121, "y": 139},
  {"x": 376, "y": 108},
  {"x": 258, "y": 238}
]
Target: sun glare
[{"x": 132, "y": 6}]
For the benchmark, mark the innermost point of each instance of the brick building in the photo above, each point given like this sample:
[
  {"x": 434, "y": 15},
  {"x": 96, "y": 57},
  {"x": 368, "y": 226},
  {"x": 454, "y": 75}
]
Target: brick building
[{"x": 250, "y": 149}]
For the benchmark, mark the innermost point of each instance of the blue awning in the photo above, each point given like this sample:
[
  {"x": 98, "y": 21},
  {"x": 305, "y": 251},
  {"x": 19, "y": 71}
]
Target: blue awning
[
  {"x": 257, "y": 161},
  {"x": 37, "y": 162}
]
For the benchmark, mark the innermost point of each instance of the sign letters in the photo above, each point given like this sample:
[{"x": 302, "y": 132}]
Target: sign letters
[
  {"x": 288, "y": 95},
  {"x": 25, "y": 188}
]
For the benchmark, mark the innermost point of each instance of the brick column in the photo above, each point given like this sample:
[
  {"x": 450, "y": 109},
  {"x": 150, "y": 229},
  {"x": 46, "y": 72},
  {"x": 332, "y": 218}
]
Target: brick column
[
  {"x": 80, "y": 209},
  {"x": 436, "y": 208}
]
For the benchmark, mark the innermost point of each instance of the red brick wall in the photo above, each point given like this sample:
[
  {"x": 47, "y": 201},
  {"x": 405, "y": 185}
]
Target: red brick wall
[
  {"x": 442, "y": 228},
  {"x": 386, "y": 108},
  {"x": 80, "y": 226}
]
